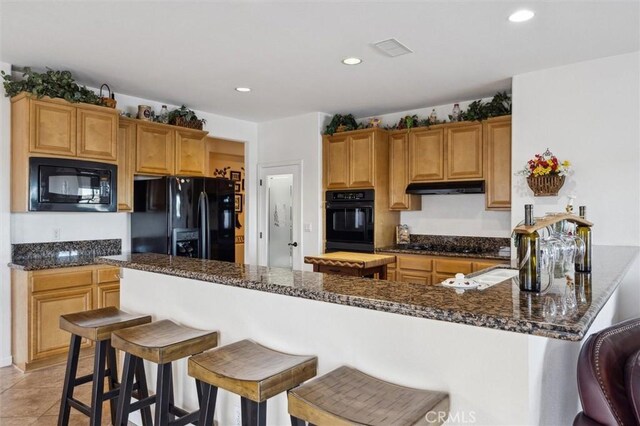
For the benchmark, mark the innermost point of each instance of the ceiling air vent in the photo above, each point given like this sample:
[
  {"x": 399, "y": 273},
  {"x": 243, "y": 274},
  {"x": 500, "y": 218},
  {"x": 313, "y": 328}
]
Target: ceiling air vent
[{"x": 392, "y": 47}]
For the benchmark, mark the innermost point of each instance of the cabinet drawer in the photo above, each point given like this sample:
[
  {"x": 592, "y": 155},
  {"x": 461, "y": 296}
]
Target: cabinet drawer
[
  {"x": 42, "y": 281},
  {"x": 107, "y": 275},
  {"x": 478, "y": 266},
  {"x": 453, "y": 266},
  {"x": 414, "y": 277},
  {"x": 420, "y": 263}
]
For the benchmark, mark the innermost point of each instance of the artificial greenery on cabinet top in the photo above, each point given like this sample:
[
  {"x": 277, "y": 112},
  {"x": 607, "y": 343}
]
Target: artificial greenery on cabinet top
[{"x": 54, "y": 84}]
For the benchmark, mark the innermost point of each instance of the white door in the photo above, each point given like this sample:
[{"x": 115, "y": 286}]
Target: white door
[{"x": 280, "y": 215}]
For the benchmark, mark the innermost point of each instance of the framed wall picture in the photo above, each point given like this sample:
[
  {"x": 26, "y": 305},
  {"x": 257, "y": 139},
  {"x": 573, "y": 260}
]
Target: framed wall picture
[
  {"x": 238, "y": 187},
  {"x": 236, "y": 176},
  {"x": 238, "y": 203}
]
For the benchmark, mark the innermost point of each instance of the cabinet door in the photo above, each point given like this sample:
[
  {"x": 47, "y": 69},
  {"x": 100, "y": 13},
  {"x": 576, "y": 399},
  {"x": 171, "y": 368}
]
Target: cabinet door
[
  {"x": 52, "y": 129},
  {"x": 391, "y": 275},
  {"x": 97, "y": 134},
  {"x": 154, "y": 149},
  {"x": 361, "y": 161},
  {"x": 426, "y": 155},
  {"x": 46, "y": 336},
  {"x": 464, "y": 152},
  {"x": 109, "y": 294},
  {"x": 126, "y": 142},
  {"x": 399, "y": 174},
  {"x": 336, "y": 164},
  {"x": 497, "y": 141},
  {"x": 190, "y": 153}
]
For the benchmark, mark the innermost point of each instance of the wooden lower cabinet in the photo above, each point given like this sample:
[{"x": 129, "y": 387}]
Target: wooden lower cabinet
[
  {"x": 425, "y": 269},
  {"x": 47, "y": 339},
  {"x": 38, "y": 298}
]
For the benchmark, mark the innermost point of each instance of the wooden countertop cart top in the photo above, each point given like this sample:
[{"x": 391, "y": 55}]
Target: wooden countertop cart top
[{"x": 350, "y": 259}]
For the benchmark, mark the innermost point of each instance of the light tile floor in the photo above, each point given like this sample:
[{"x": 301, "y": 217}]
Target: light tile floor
[{"x": 34, "y": 398}]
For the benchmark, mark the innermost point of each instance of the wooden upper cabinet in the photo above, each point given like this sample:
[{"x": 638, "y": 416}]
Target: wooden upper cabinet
[
  {"x": 190, "y": 153},
  {"x": 399, "y": 174},
  {"x": 97, "y": 134},
  {"x": 126, "y": 140},
  {"x": 336, "y": 161},
  {"x": 154, "y": 149},
  {"x": 426, "y": 155},
  {"x": 497, "y": 146},
  {"x": 464, "y": 152},
  {"x": 361, "y": 161},
  {"x": 52, "y": 129}
]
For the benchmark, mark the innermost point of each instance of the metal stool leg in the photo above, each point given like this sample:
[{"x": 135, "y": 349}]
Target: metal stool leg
[
  {"x": 163, "y": 394},
  {"x": 143, "y": 392},
  {"x": 207, "y": 404},
  {"x": 112, "y": 366},
  {"x": 297, "y": 422},
  {"x": 126, "y": 388},
  {"x": 98, "y": 382},
  {"x": 69, "y": 379},
  {"x": 254, "y": 413}
]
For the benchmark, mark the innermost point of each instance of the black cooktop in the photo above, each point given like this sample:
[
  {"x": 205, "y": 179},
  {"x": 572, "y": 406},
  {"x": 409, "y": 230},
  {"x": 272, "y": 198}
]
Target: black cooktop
[{"x": 444, "y": 248}]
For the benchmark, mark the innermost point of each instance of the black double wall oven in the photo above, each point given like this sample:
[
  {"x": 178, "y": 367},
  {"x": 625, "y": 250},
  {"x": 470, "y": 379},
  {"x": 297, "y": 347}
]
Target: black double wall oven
[{"x": 349, "y": 220}]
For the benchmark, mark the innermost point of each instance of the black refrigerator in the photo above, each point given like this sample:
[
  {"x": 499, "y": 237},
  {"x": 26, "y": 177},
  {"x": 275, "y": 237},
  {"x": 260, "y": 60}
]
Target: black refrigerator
[{"x": 184, "y": 216}]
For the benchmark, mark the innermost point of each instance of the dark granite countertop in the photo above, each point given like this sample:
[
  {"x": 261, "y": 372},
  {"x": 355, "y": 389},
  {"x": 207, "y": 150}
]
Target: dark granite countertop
[
  {"x": 501, "y": 306},
  {"x": 51, "y": 262},
  {"x": 492, "y": 254},
  {"x": 61, "y": 254}
]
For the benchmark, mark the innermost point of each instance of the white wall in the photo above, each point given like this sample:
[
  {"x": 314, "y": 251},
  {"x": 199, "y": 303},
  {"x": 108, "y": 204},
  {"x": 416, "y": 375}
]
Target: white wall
[
  {"x": 5, "y": 232},
  {"x": 451, "y": 214},
  {"x": 587, "y": 113},
  {"x": 299, "y": 138}
]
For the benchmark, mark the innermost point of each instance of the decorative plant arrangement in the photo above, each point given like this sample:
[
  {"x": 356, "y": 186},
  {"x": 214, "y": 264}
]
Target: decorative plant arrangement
[
  {"x": 341, "y": 123},
  {"x": 55, "y": 84},
  {"x": 185, "y": 117},
  {"x": 545, "y": 173}
]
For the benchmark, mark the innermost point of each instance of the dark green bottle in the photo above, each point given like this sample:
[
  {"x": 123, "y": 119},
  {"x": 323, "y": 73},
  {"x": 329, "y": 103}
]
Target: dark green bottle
[
  {"x": 528, "y": 256},
  {"x": 583, "y": 263}
]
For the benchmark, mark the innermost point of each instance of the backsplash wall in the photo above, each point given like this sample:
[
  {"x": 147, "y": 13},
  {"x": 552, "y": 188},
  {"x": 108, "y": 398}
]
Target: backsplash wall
[
  {"x": 451, "y": 214},
  {"x": 457, "y": 214},
  {"x": 39, "y": 227}
]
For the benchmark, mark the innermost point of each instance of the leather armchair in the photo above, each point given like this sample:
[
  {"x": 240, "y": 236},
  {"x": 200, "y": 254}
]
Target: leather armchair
[{"x": 609, "y": 376}]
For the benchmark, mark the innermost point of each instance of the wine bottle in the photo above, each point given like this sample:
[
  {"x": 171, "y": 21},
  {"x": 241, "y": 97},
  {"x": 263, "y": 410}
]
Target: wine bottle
[
  {"x": 528, "y": 255},
  {"x": 583, "y": 263}
]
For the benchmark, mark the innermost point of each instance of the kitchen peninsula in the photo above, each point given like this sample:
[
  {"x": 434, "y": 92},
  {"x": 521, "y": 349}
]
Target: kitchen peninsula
[{"x": 500, "y": 359}]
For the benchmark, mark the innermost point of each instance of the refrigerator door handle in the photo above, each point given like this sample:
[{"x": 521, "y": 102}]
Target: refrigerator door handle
[
  {"x": 203, "y": 225},
  {"x": 207, "y": 229}
]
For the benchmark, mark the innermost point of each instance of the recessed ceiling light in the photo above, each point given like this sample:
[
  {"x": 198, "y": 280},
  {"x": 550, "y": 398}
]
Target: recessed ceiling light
[
  {"x": 243, "y": 89},
  {"x": 521, "y": 15},
  {"x": 351, "y": 61}
]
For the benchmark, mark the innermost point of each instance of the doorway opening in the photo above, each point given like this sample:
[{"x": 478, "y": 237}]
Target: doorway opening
[{"x": 280, "y": 216}]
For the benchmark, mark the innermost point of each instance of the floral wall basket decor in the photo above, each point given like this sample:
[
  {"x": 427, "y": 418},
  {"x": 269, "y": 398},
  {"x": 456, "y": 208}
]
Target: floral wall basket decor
[{"x": 545, "y": 174}]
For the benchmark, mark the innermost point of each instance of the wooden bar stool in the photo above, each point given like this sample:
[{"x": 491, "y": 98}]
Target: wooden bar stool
[
  {"x": 347, "y": 396},
  {"x": 250, "y": 370},
  {"x": 95, "y": 325},
  {"x": 160, "y": 342}
]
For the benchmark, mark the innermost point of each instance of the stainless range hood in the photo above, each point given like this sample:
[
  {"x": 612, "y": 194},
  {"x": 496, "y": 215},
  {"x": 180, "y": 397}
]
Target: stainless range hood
[{"x": 462, "y": 187}]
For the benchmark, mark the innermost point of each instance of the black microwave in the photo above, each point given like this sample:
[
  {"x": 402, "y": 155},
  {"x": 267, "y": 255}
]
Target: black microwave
[{"x": 62, "y": 185}]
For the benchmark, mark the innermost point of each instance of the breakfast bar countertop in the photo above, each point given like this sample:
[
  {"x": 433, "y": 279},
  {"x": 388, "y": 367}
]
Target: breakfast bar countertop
[{"x": 501, "y": 306}]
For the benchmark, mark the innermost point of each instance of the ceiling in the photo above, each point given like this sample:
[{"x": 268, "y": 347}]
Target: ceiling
[{"x": 290, "y": 54}]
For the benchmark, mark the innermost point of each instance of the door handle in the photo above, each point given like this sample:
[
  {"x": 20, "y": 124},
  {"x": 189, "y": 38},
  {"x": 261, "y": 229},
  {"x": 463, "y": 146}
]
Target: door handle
[{"x": 293, "y": 244}]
